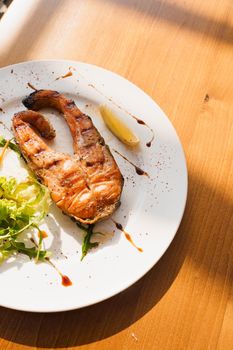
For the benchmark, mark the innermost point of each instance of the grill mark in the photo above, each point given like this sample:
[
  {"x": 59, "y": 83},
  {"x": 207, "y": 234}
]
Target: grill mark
[
  {"x": 86, "y": 129},
  {"x": 27, "y": 140},
  {"x": 88, "y": 145},
  {"x": 54, "y": 93},
  {"x": 20, "y": 126},
  {"x": 92, "y": 163},
  {"x": 39, "y": 152},
  {"x": 89, "y": 164},
  {"x": 53, "y": 163},
  {"x": 78, "y": 117},
  {"x": 60, "y": 200},
  {"x": 70, "y": 104},
  {"x": 69, "y": 178},
  {"x": 70, "y": 204}
]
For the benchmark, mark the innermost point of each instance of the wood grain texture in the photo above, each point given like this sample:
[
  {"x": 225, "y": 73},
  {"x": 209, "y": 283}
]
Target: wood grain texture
[{"x": 181, "y": 53}]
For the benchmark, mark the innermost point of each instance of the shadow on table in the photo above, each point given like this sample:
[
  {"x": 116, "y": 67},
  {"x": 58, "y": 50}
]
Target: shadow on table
[
  {"x": 102, "y": 320},
  {"x": 180, "y": 15},
  {"x": 171, "y": 13}
]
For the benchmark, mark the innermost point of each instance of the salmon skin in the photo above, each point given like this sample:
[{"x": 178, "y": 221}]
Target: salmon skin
[{"x": 86, "y": 186}]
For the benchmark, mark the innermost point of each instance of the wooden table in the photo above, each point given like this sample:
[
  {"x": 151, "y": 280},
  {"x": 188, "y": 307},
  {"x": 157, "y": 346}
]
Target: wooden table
[{"x": 181, "y": 53}]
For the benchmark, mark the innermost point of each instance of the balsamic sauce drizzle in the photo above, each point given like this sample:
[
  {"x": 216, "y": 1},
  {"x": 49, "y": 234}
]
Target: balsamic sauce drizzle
[
  {"x": 65, "y": 281},
  {"x": 68, "y": 74},
  {"x": 138, "y": 170},
  {"x": 127, "y": 235},
  {"x": 32, "y": 87}
]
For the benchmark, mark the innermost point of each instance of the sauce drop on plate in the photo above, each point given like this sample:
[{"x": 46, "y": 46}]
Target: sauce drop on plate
[
  {"x": 68, "y": 74},
  {"x": 129, "y": 238},
  {"x": 66, "y": 282},
  {"x": 127, "y": 235}
]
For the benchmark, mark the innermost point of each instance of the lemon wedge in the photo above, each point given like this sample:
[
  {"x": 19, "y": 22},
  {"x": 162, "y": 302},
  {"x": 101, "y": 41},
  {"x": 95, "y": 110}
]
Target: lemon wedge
[{"x": 118, "y": 127}]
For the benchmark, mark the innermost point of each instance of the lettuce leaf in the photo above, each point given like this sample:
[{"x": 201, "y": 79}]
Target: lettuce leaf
[{"x": 22, "y": 205}]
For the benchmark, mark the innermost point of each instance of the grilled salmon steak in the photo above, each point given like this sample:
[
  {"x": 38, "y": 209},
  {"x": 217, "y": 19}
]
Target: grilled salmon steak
[{"x": 86, "y": 186}]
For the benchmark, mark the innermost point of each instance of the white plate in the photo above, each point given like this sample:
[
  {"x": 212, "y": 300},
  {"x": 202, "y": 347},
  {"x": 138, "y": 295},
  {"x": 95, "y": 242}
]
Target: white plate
[{"x": 151, "y": 208}]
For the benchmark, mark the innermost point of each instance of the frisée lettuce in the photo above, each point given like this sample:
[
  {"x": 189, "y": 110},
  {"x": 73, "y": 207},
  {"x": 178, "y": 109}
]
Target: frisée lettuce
[{"x": 22, "y": 205}]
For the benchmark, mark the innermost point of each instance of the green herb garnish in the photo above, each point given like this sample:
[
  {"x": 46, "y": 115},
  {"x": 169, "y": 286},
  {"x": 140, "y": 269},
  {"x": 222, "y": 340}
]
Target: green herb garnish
[
  {"x": 22, "y": 205},
  {"x": 11, "y": 145},
  {"x": 87, "y": 244}
]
